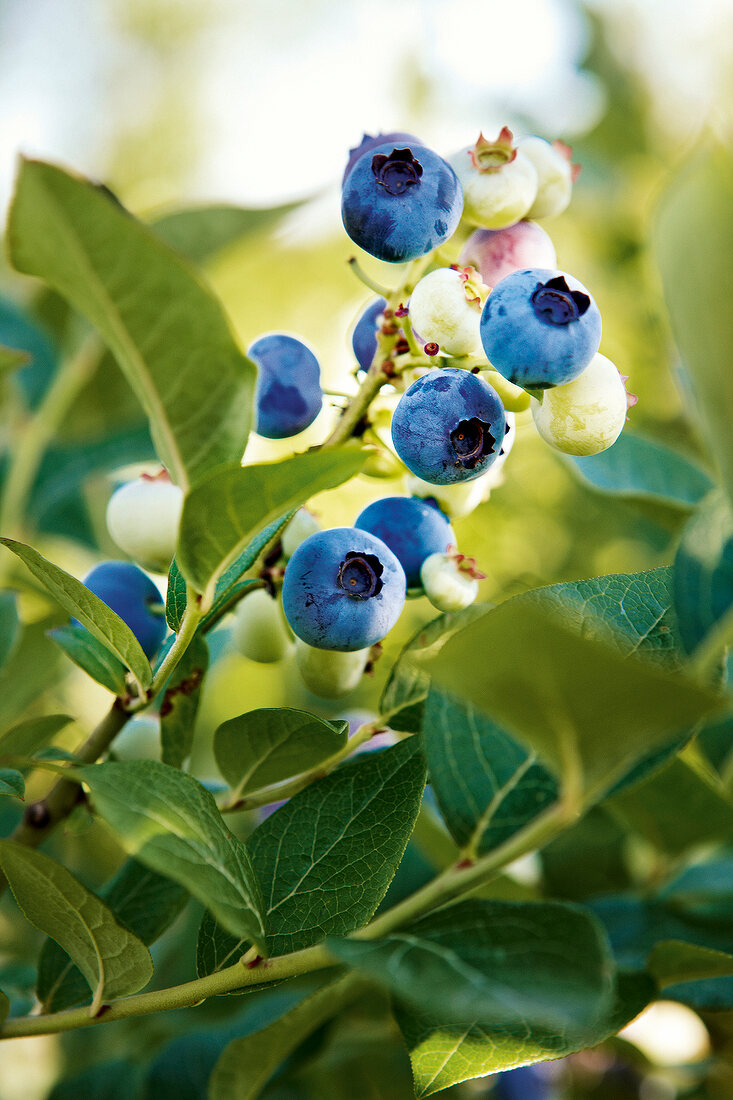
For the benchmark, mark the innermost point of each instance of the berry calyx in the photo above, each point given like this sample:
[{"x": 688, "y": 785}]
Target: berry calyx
[
  {"x": 359, "y": 574},
  {"x": 398, "y": 171},
  {"x": 490, "y": 156},
  {"x": 556, "y": 304}
]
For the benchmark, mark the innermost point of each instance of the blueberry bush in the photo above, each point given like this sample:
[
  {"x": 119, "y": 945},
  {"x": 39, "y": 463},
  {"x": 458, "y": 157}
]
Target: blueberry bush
[{"x": 340, "y": 901}]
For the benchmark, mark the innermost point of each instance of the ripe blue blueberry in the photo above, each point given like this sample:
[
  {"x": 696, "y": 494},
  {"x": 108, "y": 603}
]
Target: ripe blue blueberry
[
  {"x": 344, "y": 589},
  {"x": 370, "y": 141},
  {"x": 364, "y": 337},
  {"x": 449, "y": 426},
  {"x": 540, "y": 328},
  {"x": 132, "y": 595},
  {"x": 411, "y": 528},
  {"x": 399, "y": 203},
  {"x": 288, "y": 396}
]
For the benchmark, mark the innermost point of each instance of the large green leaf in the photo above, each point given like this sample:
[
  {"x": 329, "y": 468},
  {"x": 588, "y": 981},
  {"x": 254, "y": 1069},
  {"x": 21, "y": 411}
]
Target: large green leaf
[
  {"x": 169, "y": 822},
  {"x": 12, "y": 782},
  {"x": 167, "y": 331},
  {"x": 642, "y": 469},
  {"x": 100, "y": 620},
  {"x": 673, "y": 961},
  {"x": 227, "y": 508},
  {"x": 33, "y": 734},
  {"x": 9, "y": 624},
  {"x": 144, "y": 902},
  {"x": 113, "y": 960},
  {"x": 199, "y": 232},
  {"x": 33, "y": 666},
  {"x": 694, "y": 245},
  {"x": 588, "y": 711},
  {"x": 703, "y": 570},
  {"x": 180, "y": 703},
  {"x": 91, "y": 656},
  {"x": 264, "y": 746},
  {"x": 487, "y": 785},
  {"x": 247, "y": 1063},
  {"x": 444, "y": 1054},
  {"x": 517, "y": 967},
  {"x": 326, "y": 858}
]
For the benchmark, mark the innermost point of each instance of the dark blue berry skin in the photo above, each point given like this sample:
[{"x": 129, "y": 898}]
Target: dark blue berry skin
[
  {"x": 525, "y": 1083},
  {"x": 449, "y": 426},
  {"x": 400, "y": 203},
  {"x": 370, "y": 141},
  {"x": 132, "y": 595},
  {"x": 411, "y": 528},
  {"x": 288, "y": 396},
  {"x": 343, "y": 589},
  {"x": 364, "y": 338},
  {"x": 537, "y": 335}
]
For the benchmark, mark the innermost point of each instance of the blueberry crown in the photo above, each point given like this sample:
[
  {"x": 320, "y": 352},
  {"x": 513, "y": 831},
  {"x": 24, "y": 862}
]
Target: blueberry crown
[
  {"x": 398, "y": 171},
  {"x": 556, "y": 304},
  {"x": 359, "y": 575},
  {"x": 471, "y": 440}
]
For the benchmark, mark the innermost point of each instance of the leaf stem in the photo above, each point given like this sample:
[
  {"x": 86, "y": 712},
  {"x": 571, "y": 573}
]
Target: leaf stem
[{"x": 192, "y": 616}]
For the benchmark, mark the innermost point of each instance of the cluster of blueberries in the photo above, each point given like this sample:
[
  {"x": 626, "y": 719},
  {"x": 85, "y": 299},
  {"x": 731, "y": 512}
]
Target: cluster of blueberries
[{"x": 502, "y": 310}]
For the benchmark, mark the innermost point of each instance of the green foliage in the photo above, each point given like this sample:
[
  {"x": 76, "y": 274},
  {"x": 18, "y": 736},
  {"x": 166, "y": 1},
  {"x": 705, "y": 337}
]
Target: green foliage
[
  {"x": 672, "y": 961},
  {"x": 30, "y": 736},
  {"x": 113, "y": 960},
  {"x": 225, "y": 510},
  {"x": 180, "y": 703},
  {"x": 74, "y": 597},
  {"x": 703, "y": 570},
  {"x": 91, "y": 656},
  {"x": 694, "y": 239},
  {"x": 200, "y": 232},
  {"x": 265, "y": 746},
  {"x": 9, "y": 625},
  {"x": 169, "y": 822},
  {"x": 142, "y": 901},
  {"x": 12, "y": 782},
  {"x": 326, "y": 858},
  {"x": 168, "y": 333}
]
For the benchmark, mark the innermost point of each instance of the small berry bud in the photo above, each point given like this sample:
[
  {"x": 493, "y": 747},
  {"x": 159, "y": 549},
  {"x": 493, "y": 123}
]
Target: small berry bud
[{"x": 450, "y": 580}]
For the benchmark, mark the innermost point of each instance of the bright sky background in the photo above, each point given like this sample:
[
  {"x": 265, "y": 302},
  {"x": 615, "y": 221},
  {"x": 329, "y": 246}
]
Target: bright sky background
[{"x": 268, "y": 95}]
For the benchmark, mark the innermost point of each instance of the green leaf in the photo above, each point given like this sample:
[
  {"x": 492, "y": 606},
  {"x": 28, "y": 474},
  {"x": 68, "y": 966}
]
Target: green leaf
[
  {"x": 113, "y": 1080},
  {"x": 517, "y": 967},
  {"x": 264, "y": 746},
  {"x": 215, "y": 947},
  {"x": 588, "y": 858},
  {"x": 169, "y": 822},
  {"x": 167, "y": 331},
  {"x": 175, "y": 600},
  {"x": 144, "y": 902},
  {"x": 226, "y": 509},
  {"x": 199, "y": 232},
  {"x": 246, "y": 1064},
  {"x": 33, "y": 666},
  {"x": 12, "y": 358},
  {"x": 487, "y": 785},
  {"x": 326, "y": 858},
  {"x": 91, "y": 656},
  {"x": 28, "y": 737},
  {"x": 703, "y": 570},
  {"x": 9, "y": 625},
  {"x": 4, "y": 1008},
  {"x": 74, "y": 597},
  {"x": 181, "y": 702},
  {"x": 113, "y": 960},
  {"x": 642, "y": 469},
  {"x": 589, "y": 712},
  {"x": 12, "y": 782},
  {"x": 694, "y": 244},
  {"x": 404, "y": 695},
  {"x": 443, "y": 1054},
  {"x": 672, "y": 961}
]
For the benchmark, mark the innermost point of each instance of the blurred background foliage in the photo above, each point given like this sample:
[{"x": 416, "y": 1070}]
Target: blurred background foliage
[{"x": 173, "y": 102}]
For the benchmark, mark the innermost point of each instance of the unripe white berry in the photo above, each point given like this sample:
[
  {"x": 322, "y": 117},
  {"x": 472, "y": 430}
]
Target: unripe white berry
[
  {"x": 585, "y": 416},
  {"x": 445, "y": 308},
  {"x": 554, "y": 175},
  {"x": 143, "y": 518},
  {"x": 448, "y": 584},
  {"x": 499, "y": 182},
  {"x": 259, "y": 630},
  {"x": 330, "y": 673},
  {"x": 302, "y": 525}
]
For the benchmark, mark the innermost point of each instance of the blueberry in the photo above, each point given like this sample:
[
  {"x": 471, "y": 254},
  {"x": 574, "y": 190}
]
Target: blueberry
[
  {"x": 364, "y": 338},
  {"x": 555, "y": 175},
  {"x": 449, "y": 426},
  {"x": 132, "y": 595},
  {"x": 143, "y": 517},
  {"x": 411, "y": 528},
  {"x": 400, "y": 203},
  {"x": 344, "y": 589},
  {"x": 288, "y": 396},
  {"x": 369, "y": 142},
  {"x": 585, "y": 416},
  {"x": 499, "y": 182},
  {"x": 540, "y": 328},
  {"x": 496, "y": 253}
]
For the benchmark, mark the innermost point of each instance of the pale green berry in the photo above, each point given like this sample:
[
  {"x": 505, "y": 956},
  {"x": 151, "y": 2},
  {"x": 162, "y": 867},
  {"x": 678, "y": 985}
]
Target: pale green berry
[
  {"x": 330, "y": 673},
  {"x": 259, "y": 630},
  {"x": 445, "y": 308},
  {"x": 585, "y": 416},
  {"x": 301, "y": 526},
  {"x": 450, "y": 581},
  {"x": 555, "y": 175},
  {"x": 139, "y": 739},
  {"x": 143, "y": 518},
  {"x": 456, "y": 500},
  {"x": 499, "y": 182}
]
